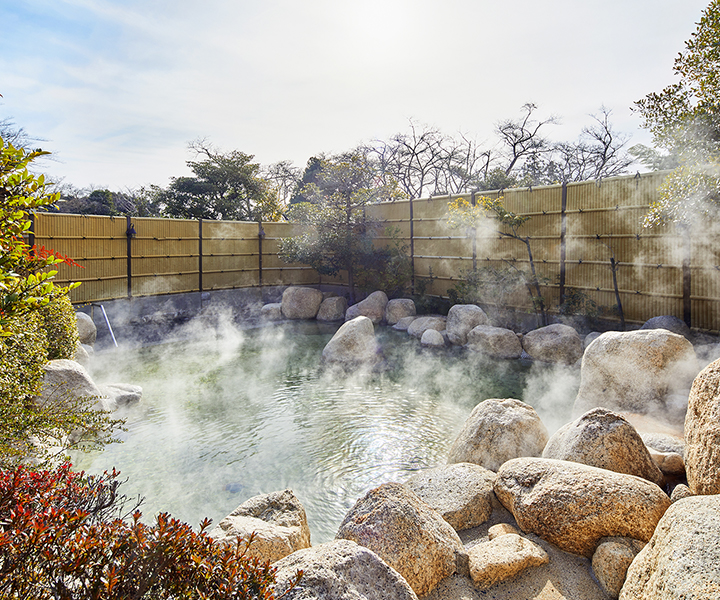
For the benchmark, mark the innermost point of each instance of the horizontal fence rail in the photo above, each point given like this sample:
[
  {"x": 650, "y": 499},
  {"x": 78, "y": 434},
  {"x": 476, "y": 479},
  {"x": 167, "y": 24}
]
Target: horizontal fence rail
[{"x": 578, "y": 233}]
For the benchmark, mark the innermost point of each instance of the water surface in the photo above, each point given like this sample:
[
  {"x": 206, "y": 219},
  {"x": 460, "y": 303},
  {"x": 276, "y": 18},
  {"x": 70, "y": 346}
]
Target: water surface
[{"x": 233, "y": 414}]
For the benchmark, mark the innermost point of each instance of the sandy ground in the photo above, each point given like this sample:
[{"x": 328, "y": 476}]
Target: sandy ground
[{"x": 565, "y": 577}]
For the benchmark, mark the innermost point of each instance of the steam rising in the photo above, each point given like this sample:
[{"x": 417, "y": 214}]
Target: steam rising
[{"x": 233, "y": 413}]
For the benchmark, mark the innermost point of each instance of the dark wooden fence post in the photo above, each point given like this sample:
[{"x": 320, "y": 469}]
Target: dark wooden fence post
[
  {"x": 473, "y": 202},
  {"x": 261, "y": 237},
  {"x": 200, "y": 255},
  {"x": 563, "y": 241},
  {"x": 412, "y": 247},
  {"x": 129, "y": 232}
]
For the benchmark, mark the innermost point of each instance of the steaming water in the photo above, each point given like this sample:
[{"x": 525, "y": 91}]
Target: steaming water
[{"x": 236, "y": 414}]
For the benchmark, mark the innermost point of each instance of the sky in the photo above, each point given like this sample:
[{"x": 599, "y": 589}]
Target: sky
[{"x": 117, "y": 89}]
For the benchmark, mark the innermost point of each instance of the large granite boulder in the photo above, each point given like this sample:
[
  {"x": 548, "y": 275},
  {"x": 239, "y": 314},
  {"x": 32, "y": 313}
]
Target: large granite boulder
[
  {"x": 419, "y": 325},
  {"x": 604, "y": 439},
  {"x": 404, "y": 323},
  {"x": 87, "y": 331},
  {"x": 498, "y": 430},
  {"x": 432, "y": 338},
  {"x": 301, "y": 302},
  {"x": 494, "y": 342},
  {"x": 399, "y": 308},
  {"x": 573, "y": 506},
  {"x": 611, "y": 560},
  {"x": 502, "y": 558},
  {"x": 682, "y": 560},
  {"x": 461, "y": 319},
  {"x": 372, "y": 307},
  {"x": 67, "y": 380},
  {"x": 340, "y": 570},
  {"x": 277, "y": 520},
  {"x": 670, "y": 323},
  {"x": 332, "y": 309},
  {"x": 354, "y": 343},
  {"x": 647, "y": 372},
  {"x": 667, "y": 452},
  {"x": 556, "y": 343},
  {"x": 462, "y": 493},
  {"x": 407, "y": 534},
  {"x": 121, "y": 394},
  {"x": 271, "y": 311},
  {"x": 702, "y": 432}
]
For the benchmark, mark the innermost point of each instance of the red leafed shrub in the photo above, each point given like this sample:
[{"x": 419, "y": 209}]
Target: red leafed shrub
[{"x": 63, "y": 536}]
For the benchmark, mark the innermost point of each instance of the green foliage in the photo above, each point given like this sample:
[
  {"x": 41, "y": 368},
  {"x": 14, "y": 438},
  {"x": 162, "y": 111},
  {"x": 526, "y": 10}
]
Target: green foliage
[
  {"x": 30, "y": 427},
  {"x": 28, "y": 301},
  {"x": 489, "y": 213},
  {"x": 388, "y": 268},
  {"x": 65, "y": 535},
  {"x": 336, "y": 233},
  {"x": 578, "y": 303},
  {"x": 24, "y": 284},
  {"x": 684, "y": 120},
  {"x": 224, "y": 186},
  {"x": 60, "y": 326},
  {"x": 487, "y": 286}
]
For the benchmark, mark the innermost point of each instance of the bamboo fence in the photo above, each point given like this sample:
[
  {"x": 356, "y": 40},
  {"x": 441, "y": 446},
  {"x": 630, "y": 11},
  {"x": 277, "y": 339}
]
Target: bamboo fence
[{"x": 577, "y": 233}]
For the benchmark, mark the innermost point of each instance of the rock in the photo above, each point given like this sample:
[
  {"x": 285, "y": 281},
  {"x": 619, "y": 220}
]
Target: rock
[
  {"x": 590, "y": 338},
  {"x": 502, "y": 558},
  {"x": 682, "y": 560},
  {"x": 679, "y": 492},
  {"x": 301, "y": 302},
  {"x": 432, "y": 338},
  {"x": 67, "y": 379},
  {"x": 663, "y": 442},
  {"x": 86, "y": 328},
  {"x": 271, "y": 311},
  {"x": 332, "y": 309},
  {"x": 372, "y": 307},
  {"x": 461, "y": 319},
  {"x": 403, "y": 324},
  {"x": 498, "y": 430},
  {"x": 406, "y": 533},
  {"x": 420, "y": 324},
  {"x": 637, "y": 372},
  {"x": 573, "y": 505},
  {"x": 354, "y": 343},
  {"x": 601, "y": 438},
  {"x": 670, "y": 463},
  {"x": 462, "y": 493},
  {"x": 340, "y": 570},
  {"x": 501, "y": 529},
  {"x": 611, "y": 560},
  {"x": 670, "y": 323},
  {"x": 399, "y": 308},
  {"x": 494, "y": 342},
  {"x": 122, "y": 394},
  {"x": 82, "y": 356},
  {"x": 278, "y": 521},
  {"x": 702, "y": 432},
  {"x": 555, "y": 343}
]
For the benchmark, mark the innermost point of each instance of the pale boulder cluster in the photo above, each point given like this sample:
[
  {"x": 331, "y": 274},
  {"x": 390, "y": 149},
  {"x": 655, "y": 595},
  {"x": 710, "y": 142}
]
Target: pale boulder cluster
[
  {"x": 624, "y": 501},
  {"x": 72, "y": 379}
]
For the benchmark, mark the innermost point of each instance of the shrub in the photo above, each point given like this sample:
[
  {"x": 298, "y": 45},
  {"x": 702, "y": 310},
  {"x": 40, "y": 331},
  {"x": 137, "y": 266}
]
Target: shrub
[
  {"x": 64, "y": 535},
  {"x": 60, "y": 325}
]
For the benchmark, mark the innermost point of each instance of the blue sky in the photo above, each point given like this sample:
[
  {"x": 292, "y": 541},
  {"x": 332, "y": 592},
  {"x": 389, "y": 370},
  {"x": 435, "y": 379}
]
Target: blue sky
[{"x": 117, "y": 88}]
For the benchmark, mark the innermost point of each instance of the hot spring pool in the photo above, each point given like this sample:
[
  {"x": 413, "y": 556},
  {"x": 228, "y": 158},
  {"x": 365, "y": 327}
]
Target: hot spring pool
[{"x": 236, "y": 413}]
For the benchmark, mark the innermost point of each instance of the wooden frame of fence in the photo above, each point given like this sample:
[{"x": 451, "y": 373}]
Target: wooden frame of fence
[{"x": 575, "y": 230}]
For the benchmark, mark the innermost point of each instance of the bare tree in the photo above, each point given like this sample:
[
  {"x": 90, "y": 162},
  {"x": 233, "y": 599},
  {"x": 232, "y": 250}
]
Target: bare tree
[
  {"x": 522, "y": 139},
  {"x": 283, "y": 177}
]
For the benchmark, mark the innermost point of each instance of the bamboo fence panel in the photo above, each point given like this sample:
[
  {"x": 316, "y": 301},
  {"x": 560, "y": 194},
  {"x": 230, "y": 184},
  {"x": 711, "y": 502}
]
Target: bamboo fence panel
[
  {"x": 574, "y": 232},
  {"x": 97, "y": 243},
  {"x": 230, "y": 254}
]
